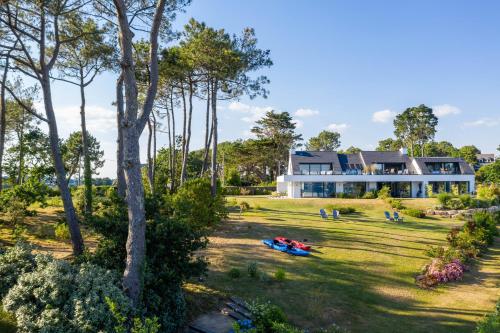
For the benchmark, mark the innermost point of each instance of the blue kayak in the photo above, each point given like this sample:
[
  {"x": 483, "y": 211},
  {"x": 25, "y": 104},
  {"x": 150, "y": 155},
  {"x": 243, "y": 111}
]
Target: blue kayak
[{"x": 271, "y": 243}]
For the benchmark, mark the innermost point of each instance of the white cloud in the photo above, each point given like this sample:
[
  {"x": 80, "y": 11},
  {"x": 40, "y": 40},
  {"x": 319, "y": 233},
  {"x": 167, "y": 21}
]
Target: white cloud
[
  {"x": 486, "y": 122},
  {"x": 99, "y": 119},
  {"x": 383, "y": 116},
  {"x": 254, "y": 112},
  {"x": 298, "y": 123},
  {"x": 445, "y": 110},
  {"x": 306, "y": 113},
  {"x": 338, "y": 127}
]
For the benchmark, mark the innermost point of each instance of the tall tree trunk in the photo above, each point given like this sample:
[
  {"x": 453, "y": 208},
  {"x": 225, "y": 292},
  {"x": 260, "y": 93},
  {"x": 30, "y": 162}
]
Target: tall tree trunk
[
  {"x": 169, "y": 132},
  {"x": 150, "y": 158},
  {"x": 69, "y": 209},
  {"x": 3, "y": 112},
  {"x": 153, "y": 173},
  {"x": 132, "y": 128},
  {"x": 20, "y": 165},
  {"x": 207, "y": 134},
  {"x": 213, "y": 178},
  {"x": 120, "y": 173},
  {"x": 87, "y": 170},
  {"x": 184, "y": 130},
  {"x": 188, "y": 135},
  {"x": 173, "y": 166}
]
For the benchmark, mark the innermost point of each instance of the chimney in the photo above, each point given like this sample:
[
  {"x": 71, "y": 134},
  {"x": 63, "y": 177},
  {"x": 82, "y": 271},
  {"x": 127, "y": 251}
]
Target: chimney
[{"x": 403, "y": 151}]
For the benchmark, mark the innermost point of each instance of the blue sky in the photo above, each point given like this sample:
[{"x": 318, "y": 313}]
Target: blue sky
[{"x": 348, "y": 66}]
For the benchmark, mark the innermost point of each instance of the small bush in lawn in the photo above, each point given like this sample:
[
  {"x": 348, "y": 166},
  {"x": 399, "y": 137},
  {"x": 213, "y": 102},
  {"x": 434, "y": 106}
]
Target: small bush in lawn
[
  {"x": 62, "y": 231},
  {"x": 257, "y": 207},
  {"x": 444, "y": 199},
  {"x": 252, "y": 269},
  {"x": 370, "y": 195},
  {"x": 396, "y": 204},
  {"x": 234, "y": 273},
  {"x": 342, "y": 210},
  {"x": 265, "y": 315},
  {"x": 244, "y": 206},
  {"x": 232, "y": 202},
  {"x": 466, "y": 200},
  {"x": 414, "y": 212},
  {"x": 280, "y": 274},
  {"x": 384, "y": 192}
]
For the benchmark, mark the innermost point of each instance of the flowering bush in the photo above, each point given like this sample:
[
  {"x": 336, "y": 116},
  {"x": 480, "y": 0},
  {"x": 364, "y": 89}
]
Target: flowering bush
[
  {"x": 465, "y": 243},
  {"x": 13, "y": 263},
  {"x": 54, "y": 296}
]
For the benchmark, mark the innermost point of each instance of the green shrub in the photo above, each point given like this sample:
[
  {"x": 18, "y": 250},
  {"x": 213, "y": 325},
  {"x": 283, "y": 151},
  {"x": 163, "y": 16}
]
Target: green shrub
[
  {"x": 233, "y": 177},
  {"x": 370, "y": 195},
  {"x": 396, "y": 204},
  {"x": 252, "y": 269},
  {"x": 455, "y": 203},
  {"x": 489, "y": 192},
  {"x": 244, "y": 191},
  {"x": 15, "y": 262},
  {"x": 342, "y": 210},
  {"x": 62, "y": 231},
  {"x": 455, "y": 190},
  {"x": 194, "y": 203},
  {"x": 265, "y": 315},
  {"x": 24, "y": 195},
  {"x": 280, "y": 274},
  {"x": 466, "y": 200},
  {"x": 418, "y": 213},
  {"x": 444, "y": 199},
  {"x": 491, "y": 322},
  {"x": 244, "y": 206},
  {"x": 384, "y": 192},
  {"x": 234, "y": 273}
]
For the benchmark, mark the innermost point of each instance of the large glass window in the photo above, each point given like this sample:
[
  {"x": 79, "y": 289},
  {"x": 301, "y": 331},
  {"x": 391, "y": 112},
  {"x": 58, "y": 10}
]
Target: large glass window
[
  {"x": 355, "y": 189},
  {"x": 443, "y": 167},
  {"x": 315, "y": 168},
  {"x": 318, "y": 190},
  {"x": 398, "y": 189}
]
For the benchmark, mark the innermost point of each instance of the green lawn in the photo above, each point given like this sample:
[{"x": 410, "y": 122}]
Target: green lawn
[{"x": 361, "y": 271}]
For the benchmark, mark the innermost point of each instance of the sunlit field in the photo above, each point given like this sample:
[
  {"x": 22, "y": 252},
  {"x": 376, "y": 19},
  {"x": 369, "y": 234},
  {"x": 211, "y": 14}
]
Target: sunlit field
[{"x": 360, "y": 274}]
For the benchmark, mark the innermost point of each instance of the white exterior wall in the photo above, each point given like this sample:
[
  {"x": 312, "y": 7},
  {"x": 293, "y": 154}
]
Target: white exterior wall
[
  {"x": 294, "y": 182},
  {"x": 281, "y": 187}
]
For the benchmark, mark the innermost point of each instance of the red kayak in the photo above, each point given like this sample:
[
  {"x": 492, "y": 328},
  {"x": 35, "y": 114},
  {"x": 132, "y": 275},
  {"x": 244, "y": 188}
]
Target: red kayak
[{"x": 293, "y": 243}]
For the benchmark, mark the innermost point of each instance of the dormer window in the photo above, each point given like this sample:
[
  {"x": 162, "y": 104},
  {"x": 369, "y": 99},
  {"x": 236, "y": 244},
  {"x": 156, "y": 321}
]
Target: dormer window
[{"x": 315, "y": 168}]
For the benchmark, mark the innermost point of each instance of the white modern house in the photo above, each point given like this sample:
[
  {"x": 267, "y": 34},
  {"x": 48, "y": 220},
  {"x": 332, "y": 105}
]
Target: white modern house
[{"x": 320, "y": 174}]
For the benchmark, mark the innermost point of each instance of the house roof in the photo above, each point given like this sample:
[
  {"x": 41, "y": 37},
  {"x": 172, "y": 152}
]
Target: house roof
[
  {"x": 341, "y": 162},
  {"x": 315, "y": 157},
  {"x": 465, "y": 168}
]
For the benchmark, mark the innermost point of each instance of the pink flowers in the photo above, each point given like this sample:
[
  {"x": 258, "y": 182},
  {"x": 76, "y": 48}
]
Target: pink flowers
[{"x": 437, "y": 272}]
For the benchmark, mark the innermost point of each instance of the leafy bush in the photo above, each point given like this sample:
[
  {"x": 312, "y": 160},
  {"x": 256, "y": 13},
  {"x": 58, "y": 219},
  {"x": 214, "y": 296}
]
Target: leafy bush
[
  {"x": 489, "y": 192},
  {"x": 234, "y": 273},
  {"x": 396, "y": 204},
  {"x": 62, "y": 231},
  {"x": 384, "y": 192},
  {"x": 414, "y": 212},
  {"x": 342, "y": 210},
  {"x": 24, "y": 195},
  {"x": 15, "y": 262},
  {"x": 280, "y": 274},
  {"x": 194, "y": 203},
  {"x": 265, "y": 315},
  {"x": 233, "y": 177},
  {"x": 465, "y": 243},
  {"x": 252, "y": 269},
  {"x": 285, "y": 328},
  {"x": 491, "y": 322},
  {"x": 444, "y": 199},
  {"x": 370, "y": 195},
  {"x": 58, "y": 297},
  {"x": 466, "y": 200},
  {"x": 244, "y": 206},
  {"x": 430, "y": 191}
]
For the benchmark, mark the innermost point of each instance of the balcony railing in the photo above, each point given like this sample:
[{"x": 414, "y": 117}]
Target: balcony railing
[{"x": 357, "y": 172}]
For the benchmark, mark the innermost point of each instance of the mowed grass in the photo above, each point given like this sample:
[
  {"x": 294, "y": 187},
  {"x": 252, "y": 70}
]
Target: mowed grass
[{"x": 361, "y": 272}]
